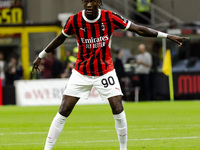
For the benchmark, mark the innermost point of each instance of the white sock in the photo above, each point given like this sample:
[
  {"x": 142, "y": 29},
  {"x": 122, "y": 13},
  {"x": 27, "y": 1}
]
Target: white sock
[
  {"x": 54, "y": 131},
  {"x": 121, "y": 128}
]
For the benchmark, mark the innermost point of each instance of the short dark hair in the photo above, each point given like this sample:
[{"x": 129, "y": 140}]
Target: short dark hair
[{"x": 101, "y": 3}]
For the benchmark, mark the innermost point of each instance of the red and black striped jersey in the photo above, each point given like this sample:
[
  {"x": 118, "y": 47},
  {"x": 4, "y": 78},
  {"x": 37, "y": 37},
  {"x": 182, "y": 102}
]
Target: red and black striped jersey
[{"x": 94, "y": 40}]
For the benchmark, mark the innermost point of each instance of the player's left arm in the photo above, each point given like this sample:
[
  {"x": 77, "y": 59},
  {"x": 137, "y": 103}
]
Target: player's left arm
[{"x": 148, "y": 32}]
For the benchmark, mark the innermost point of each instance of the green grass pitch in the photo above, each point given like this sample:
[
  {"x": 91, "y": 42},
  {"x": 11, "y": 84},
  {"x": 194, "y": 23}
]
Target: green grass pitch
[{"x": 151, "y": 126}]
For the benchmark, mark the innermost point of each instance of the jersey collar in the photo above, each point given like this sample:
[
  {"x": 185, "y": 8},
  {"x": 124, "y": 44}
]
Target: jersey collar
[{"x": 91, "y": 21}]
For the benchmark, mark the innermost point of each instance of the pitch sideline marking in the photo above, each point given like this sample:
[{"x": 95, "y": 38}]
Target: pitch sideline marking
[
  {"x": 96, "y": 127},
  {"x": 24, "y": 133},
  {"x": 103, "y": 141}
]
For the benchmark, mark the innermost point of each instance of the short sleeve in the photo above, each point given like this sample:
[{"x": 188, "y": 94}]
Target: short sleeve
[
  {"x": 120, "y": 22},
  {"x": 68, "y": 28}
]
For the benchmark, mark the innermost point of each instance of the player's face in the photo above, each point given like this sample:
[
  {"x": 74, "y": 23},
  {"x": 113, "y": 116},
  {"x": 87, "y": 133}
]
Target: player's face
[{"x": 91, "y": 8}]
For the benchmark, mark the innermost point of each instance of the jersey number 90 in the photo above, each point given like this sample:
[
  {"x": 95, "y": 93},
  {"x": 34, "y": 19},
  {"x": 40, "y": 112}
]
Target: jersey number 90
[{"x": 107, "y": 82}]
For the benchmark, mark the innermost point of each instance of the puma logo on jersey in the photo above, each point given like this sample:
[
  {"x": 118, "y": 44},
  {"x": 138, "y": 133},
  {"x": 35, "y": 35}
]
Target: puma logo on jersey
[{"x": 84, "y": 29}]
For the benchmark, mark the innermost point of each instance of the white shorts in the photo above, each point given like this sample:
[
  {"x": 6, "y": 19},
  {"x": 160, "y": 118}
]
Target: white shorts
[{"x": 80, "y": 85}]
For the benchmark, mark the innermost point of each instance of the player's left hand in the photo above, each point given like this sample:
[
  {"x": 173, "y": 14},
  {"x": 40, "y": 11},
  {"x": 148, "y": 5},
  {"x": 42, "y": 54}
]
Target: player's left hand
[
  {"x": 36, "y": 64},
  {"x": 177, "y": 39}
]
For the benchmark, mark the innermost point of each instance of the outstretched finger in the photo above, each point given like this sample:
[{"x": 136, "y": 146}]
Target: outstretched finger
[
  {"x": 38, "y": 70},
  {"x": 180, "y": 44},
  {"x": 187, "y": 38},
  {"x": 33, "y": 70}
]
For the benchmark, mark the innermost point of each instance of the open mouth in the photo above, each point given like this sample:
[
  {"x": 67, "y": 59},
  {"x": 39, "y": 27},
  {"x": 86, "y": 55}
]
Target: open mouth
[{"x": 89, "y": 11}]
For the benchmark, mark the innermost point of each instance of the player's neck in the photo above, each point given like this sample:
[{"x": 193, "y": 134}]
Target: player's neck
[{"x": 93, "y": 16}]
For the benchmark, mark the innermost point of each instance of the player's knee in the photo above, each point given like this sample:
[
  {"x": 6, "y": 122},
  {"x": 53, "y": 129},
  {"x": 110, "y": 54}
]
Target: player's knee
[
  {"x": 64, "y": 112},
  {"x": 116, "y": 104},
  {"x": 117, "y": 110},
  {"x": 67, "y": 105}
]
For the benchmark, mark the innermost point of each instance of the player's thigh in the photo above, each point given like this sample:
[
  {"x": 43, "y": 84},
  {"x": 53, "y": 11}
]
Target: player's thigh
[{"x": 108, "y": 85}]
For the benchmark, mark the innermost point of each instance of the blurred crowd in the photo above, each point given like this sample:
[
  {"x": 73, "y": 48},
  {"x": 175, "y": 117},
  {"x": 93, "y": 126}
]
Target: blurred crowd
[
  {"x": 50, "y": 67},
  {"x": 135, "y": 72},
  {"x": 10, "y": 71}
]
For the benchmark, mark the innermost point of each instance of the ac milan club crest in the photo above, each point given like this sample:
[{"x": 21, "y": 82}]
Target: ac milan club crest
[{"x": 102, "y": 27}]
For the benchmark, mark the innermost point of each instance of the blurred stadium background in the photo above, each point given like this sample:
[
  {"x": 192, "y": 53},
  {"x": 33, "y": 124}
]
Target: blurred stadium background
[{"x": 27, "y": 26}]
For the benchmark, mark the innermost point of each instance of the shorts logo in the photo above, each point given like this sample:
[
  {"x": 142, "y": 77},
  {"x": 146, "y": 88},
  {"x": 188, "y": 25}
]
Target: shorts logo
[{"x": 117, "y": 89}]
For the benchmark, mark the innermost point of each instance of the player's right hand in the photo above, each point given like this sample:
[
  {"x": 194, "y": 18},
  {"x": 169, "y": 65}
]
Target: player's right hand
[{"x": 36, "y": 64}]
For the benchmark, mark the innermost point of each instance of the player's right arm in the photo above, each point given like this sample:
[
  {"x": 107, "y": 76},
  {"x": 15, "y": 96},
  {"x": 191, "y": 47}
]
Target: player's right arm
[
  {"x": 66, "y": 32},
  {"x": 57, "y": 41}
]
